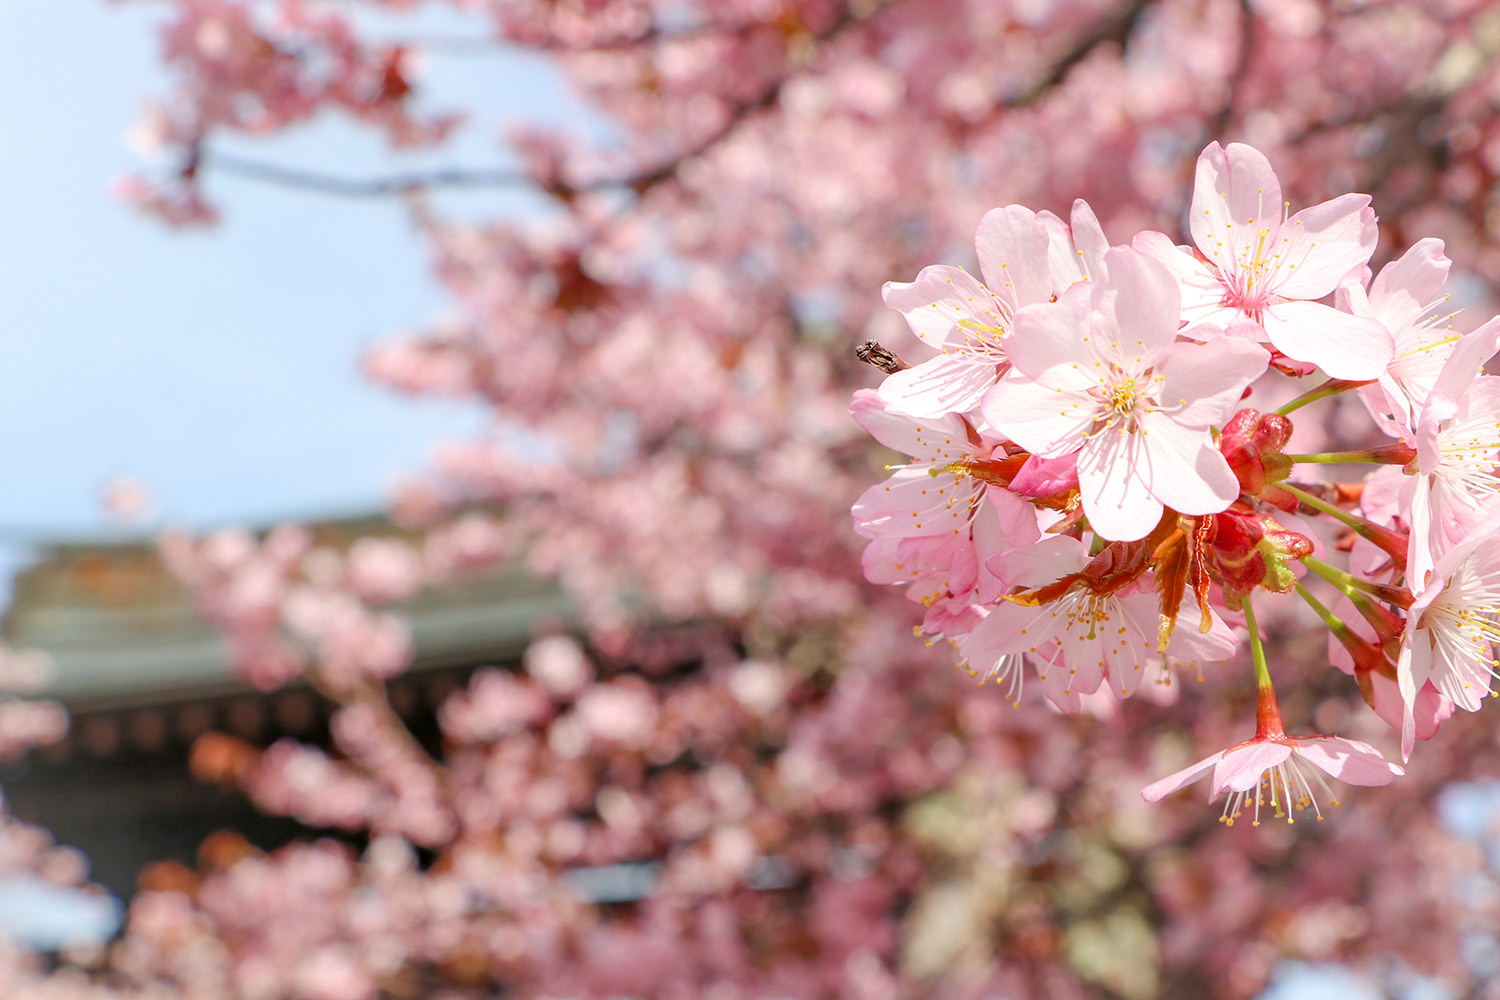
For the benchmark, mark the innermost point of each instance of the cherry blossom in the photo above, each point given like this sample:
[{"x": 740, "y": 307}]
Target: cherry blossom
[
  {"x": 1254, "y": 261},
  {"x": 1083, "y": 636},
  {"x": 943, "y": 488},
  {"x": 1407, "y": 297},
  {"x": 1107, "y": 379},
  {"x": 1458, "y": 449},
  {"x": 810, "y": 807},
  {"x": 1453, "y": 625},
  {"x": 967, "y": 321},
  {"x": 1281, "y": 773}
]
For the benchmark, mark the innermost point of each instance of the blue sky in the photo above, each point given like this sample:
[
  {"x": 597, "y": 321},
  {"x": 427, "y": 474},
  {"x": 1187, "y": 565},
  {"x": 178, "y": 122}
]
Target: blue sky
[{"x": 218, "y": 367}]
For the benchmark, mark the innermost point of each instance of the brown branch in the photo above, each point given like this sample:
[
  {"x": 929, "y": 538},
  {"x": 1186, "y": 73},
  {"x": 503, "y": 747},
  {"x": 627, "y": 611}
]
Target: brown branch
[
  {"x": 872, "y": 352},
  {"x": 349, "y": 187},
  {"x": 1236, "y": 78},
  {"x": 1117, "y": 28},
  {"x": 639, "y": 182},
  {"x": 652, "y": 35}
]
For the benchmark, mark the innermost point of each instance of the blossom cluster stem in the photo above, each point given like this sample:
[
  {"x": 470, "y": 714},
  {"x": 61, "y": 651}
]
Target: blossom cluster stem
[
  {"x": 1267, "y": 714},
  {"x": 1397, "y": 453},
  {"x": 1389, "y": 541},
  {"x": 1356, "y": 588},
  {"x": 1363, "y": 651},
  {"x": 1332, "y": 387}
]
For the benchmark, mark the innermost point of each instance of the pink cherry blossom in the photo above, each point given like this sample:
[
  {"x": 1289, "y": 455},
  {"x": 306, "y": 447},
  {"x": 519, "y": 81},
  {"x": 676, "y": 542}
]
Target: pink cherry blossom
[
  {"x": 1380, "y": 685},
  {"x": 1452, "y": 627},
  {"x": 966, "y": 320},
  {"x": 1105, "y": 376},
  {"x": 1407, "y": 297},
  {"x": 670, "y": 321},
  {"x": 1458, "y": 449},
  {"x": 1281, "y": 773},
  {"x": 938, "y": 492},
  {"x": 1082, "y": 637},
  {"x": 1255, "y": 262}
]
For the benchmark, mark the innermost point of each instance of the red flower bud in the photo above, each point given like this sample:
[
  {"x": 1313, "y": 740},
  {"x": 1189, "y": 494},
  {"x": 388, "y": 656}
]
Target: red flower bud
[{"x": 1252, "y": 444}]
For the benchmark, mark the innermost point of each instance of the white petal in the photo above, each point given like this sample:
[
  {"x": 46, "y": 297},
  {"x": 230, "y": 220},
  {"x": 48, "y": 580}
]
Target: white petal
[
  {"x": 1319, "y": 246},
  {"x": 1117, "y": 502},
  {"x": 1202, "y": 384},
  {"x": 1050, "y": 343},
  {"x": 946, "y": 306},
  {"x": 1012, "y": 248},
  {"x": 1202, "y": 291},
  {"x": 944, "y": 385},
  {"x": 1235, "y": 196},
  {"x": 940, "y": 440},
  {"x": 1344, "y": 346},
  {"x": 1159, "y": 790},
  {"x": 1045, "y": 421},
  {"x": 1146, "y": 309},
  {"x": 1181, "y": 467}
]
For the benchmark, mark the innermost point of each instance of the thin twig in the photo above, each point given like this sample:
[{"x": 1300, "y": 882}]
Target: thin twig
[
  {"x": 349, "y": 187},
  {"x": 1236, "y": 78},
  {"x": 454, "y": 177},
  {"x": 1117, "y": 29}
]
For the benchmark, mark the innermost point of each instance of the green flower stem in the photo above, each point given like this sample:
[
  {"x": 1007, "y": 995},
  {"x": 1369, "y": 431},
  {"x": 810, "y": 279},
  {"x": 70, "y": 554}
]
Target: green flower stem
[
  {"x": 1389, "y": 454},
  {"x": 1267, "y": 714},
  {"x": 1332, "y": 387},
  {"x": 1366, "y": 655},
  {"x": 1357, "y": 588},
  {"x": 1335, "y": 624},
  {"x": 1393, "y": 544}
]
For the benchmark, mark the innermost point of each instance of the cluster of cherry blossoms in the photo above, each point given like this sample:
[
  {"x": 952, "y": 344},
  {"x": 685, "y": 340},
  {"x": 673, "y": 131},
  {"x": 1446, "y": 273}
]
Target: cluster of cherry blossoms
[{"x": 1092, "y": 495}]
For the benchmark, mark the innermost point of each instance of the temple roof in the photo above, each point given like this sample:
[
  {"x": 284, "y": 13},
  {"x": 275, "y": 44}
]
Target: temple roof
[{"x": 121, "y": 630}]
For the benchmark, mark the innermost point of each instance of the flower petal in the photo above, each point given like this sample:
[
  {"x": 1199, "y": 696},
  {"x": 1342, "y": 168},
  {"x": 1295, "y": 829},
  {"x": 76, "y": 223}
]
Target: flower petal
[
  {"x": 1239, "y": 770},
  {"x": 1138, "y": 310},
  {"x": 1181, "y": 467},
  {"x": 946, "y": 384},
  {"x": 1202, "y": 291},
  {"x": 1050, "y": 343},
  {"x": 1158, "y": 790},
  {"x": 1045, "y": 477},
  {"x": 1202, "y": 384},
  {"x": 1045, "y": 421},
  {"x": 1052, "y": 558},
  {"x": 940, "y": 300},
  {"x": 1408, "y": 283},
  {"x": 1088, "y": 239},
  {"x": 1319, "y": 246},
  {"x": 1118, "y": 503},
  {"x": 1344, "y": 346},
  {"x": 940, "y": 440},
  {"x": 1132, "y": 646},
  {"x": 1012, "y": 247},
  {"x": 1074, "y": 252},
  {"x": 1350, "y": 761},
  {"x": 1190, "y": 642},
  {"x": 1008, "y": 628},
  {"x": 1467, "y": 361},
  {"x": 1235, "y": 196},
  {"x": 912, "y": 502}
]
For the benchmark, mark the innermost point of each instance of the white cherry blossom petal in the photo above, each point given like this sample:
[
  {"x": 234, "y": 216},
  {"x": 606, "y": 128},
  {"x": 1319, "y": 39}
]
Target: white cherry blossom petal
[{"x": 1344, "y": 346}]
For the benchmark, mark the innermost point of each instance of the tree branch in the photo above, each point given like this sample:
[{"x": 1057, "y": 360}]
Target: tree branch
[
  {"x": 1220, "y": 120},
  {"x": 348, "y": 187},
  {"x": 639, "y": 182},
  {"x": 1117, "y": 29}
]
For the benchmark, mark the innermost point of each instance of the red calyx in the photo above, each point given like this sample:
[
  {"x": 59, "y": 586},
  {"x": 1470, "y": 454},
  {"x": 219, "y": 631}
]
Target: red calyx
[{"x": 1252, "y": 444}]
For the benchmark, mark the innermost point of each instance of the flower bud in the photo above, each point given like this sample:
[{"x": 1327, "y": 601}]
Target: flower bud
[{"x": 1252, "y": 444}]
